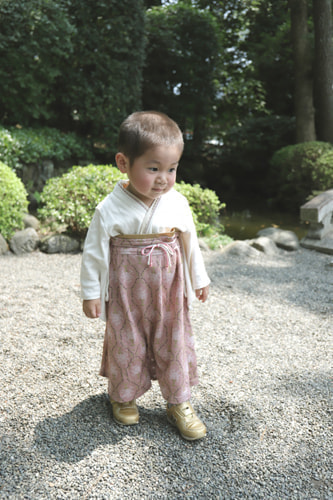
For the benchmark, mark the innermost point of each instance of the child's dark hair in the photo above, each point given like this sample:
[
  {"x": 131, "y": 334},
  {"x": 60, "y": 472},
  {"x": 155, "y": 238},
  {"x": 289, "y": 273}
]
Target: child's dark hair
[{"x": 145, "y": 129}]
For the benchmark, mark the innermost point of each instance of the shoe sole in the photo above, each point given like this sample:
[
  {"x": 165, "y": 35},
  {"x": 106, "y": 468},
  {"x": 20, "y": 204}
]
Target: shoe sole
[
  {"x": 123, "y": 423},
  {"x": 183, "y": 435}
]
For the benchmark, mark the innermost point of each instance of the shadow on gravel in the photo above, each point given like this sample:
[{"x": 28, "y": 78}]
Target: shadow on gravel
[
  {"x": 304, "y": 286},
  {"x": 75, "y": 435}
]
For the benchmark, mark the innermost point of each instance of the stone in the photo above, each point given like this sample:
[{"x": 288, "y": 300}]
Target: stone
[
  {"x": 203, "y": 245},
  {"x": 31, "y": 221},
  {"x": 3, "y": 245},
  {"x": 265, "y": 245},
  {"x": 240, "y": 249},
  {"x": 60, "y": 243},
  {"x": 318, "y": 213},
  {"x": 25, "y": 241},
  {"x": 287, "y": 240}
]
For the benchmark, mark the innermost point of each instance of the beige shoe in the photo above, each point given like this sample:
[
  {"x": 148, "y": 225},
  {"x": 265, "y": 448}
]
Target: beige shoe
[
  {"x": 184, "y": 418},
  {"x": 125, "y": 413}
]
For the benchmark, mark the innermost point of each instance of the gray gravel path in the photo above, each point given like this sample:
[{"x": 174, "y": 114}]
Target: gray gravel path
[{"x": 264, "y": 345}]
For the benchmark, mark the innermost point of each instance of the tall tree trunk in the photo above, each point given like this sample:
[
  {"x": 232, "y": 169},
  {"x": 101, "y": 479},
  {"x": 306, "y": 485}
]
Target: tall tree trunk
[
  {"x": 303, "y": 97},
  {"x": 323, "y": 97}
]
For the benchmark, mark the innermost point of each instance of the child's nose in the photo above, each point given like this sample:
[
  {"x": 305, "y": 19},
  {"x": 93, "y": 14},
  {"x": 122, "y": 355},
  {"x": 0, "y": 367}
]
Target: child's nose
[{"x": 161, "y": 178}]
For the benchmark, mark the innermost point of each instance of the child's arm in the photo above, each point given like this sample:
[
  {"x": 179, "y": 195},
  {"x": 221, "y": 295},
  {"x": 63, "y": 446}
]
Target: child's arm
[
  {"x": 92, "y": 308},
  {"x": 94, "y": 267},
  {"x": 202, "y": 293}
]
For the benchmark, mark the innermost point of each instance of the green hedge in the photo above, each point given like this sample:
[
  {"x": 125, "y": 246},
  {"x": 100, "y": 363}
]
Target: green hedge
[
  {"x": 69, "y": 201},
  {"x": 21, "y": 146},
  {"x": 13, "y": 201},
  {"x": 298, "y": 171}
]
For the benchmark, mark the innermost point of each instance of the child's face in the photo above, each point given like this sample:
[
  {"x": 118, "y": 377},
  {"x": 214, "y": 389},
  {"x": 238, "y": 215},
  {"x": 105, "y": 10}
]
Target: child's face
[{"x": 152, "y": 174}]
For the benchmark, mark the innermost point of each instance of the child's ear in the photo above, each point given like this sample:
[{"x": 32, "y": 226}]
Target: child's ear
[{"x": 122, "y": 162}]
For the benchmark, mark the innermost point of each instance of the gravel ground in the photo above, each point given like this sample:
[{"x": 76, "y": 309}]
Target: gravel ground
[{"x": 264, "y": 345}]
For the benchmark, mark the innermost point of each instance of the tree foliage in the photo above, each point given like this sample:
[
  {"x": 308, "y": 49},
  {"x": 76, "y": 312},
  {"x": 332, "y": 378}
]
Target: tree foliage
[
  {"x": 105, "y": 80},
  {"x": 35, "y": 47},
  {"x": 71, "y": 64},
  {"x": 179, "y": 73}
]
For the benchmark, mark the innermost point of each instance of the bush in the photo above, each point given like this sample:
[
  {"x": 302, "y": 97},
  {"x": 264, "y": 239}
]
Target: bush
[
  {"x": 297, "y": 171},
  {"x": 205, "y": 206},
  {"x": 70, "y": 200},
  {"x": 241, "y": 165},
  {"x": 21, "y": 146},
  {"x": 13, "y": 201}
]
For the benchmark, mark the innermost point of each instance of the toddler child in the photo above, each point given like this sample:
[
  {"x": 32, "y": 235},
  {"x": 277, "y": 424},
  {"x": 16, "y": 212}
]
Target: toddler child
[{"x": 141, "y": 269}]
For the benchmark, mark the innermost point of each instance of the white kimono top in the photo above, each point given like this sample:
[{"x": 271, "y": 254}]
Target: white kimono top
[{"x": 122, "y": 213}]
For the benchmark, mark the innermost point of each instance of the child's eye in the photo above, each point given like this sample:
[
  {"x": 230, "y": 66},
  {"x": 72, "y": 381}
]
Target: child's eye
[{"x": 153, "y": 169}]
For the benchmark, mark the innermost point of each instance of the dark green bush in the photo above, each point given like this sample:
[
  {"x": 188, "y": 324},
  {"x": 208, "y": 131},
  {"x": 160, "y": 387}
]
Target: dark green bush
[
  {"x": 13, "y": 201},
  {"x": 241, "y": 165},
  {"x": 21, "y": 146},
  {"x": 297, "y": 171},
  {"x": 70, "y": 200}
]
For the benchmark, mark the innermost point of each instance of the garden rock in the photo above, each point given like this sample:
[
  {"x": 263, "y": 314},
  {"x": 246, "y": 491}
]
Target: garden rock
[
  {"x": 265, "y": 245},
  {"x": 60, "y": 243},
  {"x": 240, "y": 249},
  {"x": 3, "y": 245},
  {"x": 203, "y": 245},
  {"x": 25, "y": 241},
  {"x": 31, "y": 221},
  {"x": 287, "y": 240}
]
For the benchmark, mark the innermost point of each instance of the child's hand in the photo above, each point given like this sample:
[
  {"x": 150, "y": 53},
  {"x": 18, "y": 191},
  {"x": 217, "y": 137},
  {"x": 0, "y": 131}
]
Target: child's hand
[
  {"x": 92, "y": 308},
  {"x": 202, "y": 293}
]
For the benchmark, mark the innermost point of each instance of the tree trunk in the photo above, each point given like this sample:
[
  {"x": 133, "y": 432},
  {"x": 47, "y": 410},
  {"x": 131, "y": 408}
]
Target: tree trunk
[
  {"x": 322, "y": 16},
  {"x": 303, "y": 97}
]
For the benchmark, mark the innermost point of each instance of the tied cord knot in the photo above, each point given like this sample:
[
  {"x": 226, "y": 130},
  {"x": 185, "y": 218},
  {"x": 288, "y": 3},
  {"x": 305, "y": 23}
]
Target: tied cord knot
[{"x": 148, "y": 251}]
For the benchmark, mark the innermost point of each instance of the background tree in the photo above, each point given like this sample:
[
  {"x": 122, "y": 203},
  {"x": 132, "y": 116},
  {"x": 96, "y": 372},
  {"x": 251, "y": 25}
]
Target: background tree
[
  {"x": 103, "y": 83},
  {"x": 303, "y": 70},
  {"x": 323, "y": 69},
  {"x": 239, "y": 92},
  {"x": 71, "y": 64},
  {"x": 35, "y": 46},
  {"x": 267, "y": 46},
  {"x": 179, "y": 73}
]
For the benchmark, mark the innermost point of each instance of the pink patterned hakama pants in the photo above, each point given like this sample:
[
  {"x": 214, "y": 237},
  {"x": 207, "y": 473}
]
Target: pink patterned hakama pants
[{"x": 148, "y": 332}]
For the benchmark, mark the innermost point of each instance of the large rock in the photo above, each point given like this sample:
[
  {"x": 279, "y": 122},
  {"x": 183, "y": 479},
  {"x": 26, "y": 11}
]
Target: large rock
[
  {"x": 60, "y": 243},
  {"x": 31, "y": 221},
  {"x": 282, "y": 238},
  {"x": 3, "y": 245},
  {"x": 265, "y": 245},
  {"x": 240, "y": 249},
  {"x": 24, "y": 241}
]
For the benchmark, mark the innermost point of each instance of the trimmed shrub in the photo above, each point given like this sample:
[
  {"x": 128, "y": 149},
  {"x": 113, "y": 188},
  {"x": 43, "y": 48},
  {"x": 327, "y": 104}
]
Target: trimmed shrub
[
  {"x": 297, "y": 171},
  {"x": 70, "y": 200},
  {"x": 205, "y": 206},
  {"x": 241, "y": 165},
  {"x": 22, "y": 146},
  {"x": 13, "y": 201}
]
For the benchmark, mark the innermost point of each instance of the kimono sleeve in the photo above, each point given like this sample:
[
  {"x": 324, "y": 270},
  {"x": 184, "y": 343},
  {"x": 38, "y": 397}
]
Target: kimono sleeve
[
  {"x": 95, "y": 261},
  {"x": 195, "y": 263}
]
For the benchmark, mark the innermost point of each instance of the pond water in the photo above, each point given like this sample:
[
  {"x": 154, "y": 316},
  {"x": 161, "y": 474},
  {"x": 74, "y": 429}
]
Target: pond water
[{"x": 245, "y": 224}]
